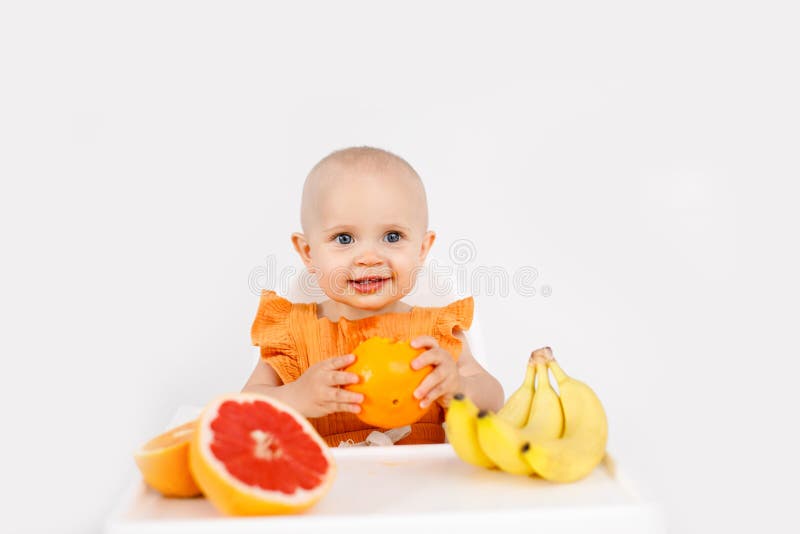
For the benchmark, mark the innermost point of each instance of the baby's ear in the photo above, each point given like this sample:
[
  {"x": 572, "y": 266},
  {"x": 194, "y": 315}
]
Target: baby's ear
[
  {"x": 302, "y": 247},
  {"x": 427, "y": 243}
]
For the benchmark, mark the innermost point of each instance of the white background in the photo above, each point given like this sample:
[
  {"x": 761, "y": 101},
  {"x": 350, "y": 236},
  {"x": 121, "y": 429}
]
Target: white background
[{"x": 643, "y": 159}]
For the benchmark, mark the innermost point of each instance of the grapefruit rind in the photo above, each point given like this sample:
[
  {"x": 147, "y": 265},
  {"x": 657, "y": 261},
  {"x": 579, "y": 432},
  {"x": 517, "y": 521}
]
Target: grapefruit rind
[
  {"x": 164, "y": 462},
  {"x": 232, "y": 496},
  {"x": 380, "y": 412}
]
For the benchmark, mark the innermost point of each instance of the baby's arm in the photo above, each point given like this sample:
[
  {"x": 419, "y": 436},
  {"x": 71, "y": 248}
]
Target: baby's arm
[
  {"x": 477, "y": 383},
  {"x": 266, "y": 381}
]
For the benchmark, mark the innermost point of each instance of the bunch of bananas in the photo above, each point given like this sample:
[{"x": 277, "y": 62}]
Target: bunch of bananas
[{"x": 559, "y": 437}]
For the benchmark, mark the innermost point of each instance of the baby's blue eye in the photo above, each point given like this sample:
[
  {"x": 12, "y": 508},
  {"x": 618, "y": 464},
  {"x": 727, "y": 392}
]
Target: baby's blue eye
[
  {"x": 344, "y": 239},
  {"x": 393, "y": 237}
]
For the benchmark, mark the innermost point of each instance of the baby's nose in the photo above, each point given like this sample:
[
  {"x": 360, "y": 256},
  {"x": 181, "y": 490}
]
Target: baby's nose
[{"x": 368, "y": 257}]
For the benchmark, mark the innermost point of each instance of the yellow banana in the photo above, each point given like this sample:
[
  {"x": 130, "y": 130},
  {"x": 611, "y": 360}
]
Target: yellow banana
[
  {"x": 501, "y": 440},
  {"x": 516, "y": 409},
  {"x": 459, "y": 427},
  {"x": 546, "y": 419},
  {"x": 502, "y": 443},
  {"x": 583, "y": 444}
]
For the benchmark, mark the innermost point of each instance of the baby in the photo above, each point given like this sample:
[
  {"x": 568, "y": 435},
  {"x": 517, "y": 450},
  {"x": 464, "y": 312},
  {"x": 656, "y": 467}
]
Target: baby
[{"x": 365, "y": 236}]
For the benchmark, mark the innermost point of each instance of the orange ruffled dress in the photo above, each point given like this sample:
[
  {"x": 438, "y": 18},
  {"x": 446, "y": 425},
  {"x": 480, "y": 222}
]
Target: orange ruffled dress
[{"x": 292, "y": 338}]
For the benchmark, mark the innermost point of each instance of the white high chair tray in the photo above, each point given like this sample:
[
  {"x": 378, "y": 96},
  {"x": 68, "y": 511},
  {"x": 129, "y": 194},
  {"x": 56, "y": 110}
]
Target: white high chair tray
[{"x": 412, "y": 487}]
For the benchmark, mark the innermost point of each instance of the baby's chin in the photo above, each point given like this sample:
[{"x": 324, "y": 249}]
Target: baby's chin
[
  {"x": 372, "y": 301},
  {"x": 374, "y": 307}
]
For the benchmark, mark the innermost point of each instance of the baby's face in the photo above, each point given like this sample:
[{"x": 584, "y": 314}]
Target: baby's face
[{"x": 367, "y": 236}]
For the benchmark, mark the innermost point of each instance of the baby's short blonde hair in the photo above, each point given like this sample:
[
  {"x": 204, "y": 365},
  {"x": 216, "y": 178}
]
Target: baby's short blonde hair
[{"x": 363, "y": 155}]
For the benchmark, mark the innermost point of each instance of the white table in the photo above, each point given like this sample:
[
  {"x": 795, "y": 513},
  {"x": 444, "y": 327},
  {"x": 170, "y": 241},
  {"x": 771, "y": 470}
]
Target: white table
[{"x": 418, "y": 488}]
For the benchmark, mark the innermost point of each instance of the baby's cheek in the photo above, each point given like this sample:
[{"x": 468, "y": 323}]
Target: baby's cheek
[{"x": 334, "y": 281}]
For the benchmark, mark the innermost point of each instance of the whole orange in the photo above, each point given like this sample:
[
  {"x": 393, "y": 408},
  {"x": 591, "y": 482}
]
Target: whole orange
[{"x": 387, "y": 382}]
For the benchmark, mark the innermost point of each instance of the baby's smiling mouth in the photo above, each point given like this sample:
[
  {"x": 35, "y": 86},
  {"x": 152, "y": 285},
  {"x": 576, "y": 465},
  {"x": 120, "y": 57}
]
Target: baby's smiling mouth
[
  {"x": 369, "y": 283},
  {"x": 368, "y": 279}
]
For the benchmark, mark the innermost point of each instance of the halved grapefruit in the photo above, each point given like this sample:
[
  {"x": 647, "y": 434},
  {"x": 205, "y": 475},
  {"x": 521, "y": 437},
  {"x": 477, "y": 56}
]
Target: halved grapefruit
[
  {"x": 253, "y": 455},
  {"x": 164, "y": 462}
]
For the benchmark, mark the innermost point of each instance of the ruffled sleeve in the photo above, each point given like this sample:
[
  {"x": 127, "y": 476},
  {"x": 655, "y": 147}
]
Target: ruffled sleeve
[
  {"x": 455, "y": 315},
  {"x": 271, "y": 331}
]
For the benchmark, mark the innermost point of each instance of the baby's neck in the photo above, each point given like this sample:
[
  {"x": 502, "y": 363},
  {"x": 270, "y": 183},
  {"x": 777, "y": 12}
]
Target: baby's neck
[{"x": 336, "y": 310}]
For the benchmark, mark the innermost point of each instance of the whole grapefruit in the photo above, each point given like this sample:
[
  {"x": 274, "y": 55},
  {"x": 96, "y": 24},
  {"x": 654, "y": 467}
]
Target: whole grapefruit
[{"x": 387, "y": 382}]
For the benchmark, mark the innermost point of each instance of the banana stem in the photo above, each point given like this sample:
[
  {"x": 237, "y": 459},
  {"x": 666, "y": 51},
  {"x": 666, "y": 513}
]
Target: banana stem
[
  {"x": 544, "y": 354},
  {"x": 541, "y": 374},
  {"x": 557, "y": 371}
]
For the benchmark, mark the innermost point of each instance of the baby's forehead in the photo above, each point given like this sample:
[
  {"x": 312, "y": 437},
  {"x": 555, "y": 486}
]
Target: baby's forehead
[
  {"x": 354, "y": 186},
  {"x": 369, "y": 209},
  {"x": 369, "y": 216},
  {"x": 339, "y": 180},
  {"x": 347, "y": 182},
  {"x": 368, "y": 201}
]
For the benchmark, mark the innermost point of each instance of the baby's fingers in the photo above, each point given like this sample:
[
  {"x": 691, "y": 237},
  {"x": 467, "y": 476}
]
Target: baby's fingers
[
  {"x": 344, "y": 407},
  {"x": 433, "y": 394},
  {"x": 338, "y": 395},
  {"x": 427, "y": 342},
  {"x": 429, "y": 357},
  {"x": 341, "y": 404},
  {"x": 338, "y": 362},
  {"x": 342, "y": 378},
  {"x": 432, "y": 380}
]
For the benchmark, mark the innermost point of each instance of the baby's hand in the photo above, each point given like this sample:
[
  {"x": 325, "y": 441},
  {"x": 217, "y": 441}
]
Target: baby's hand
[
  {"x": 316, "y": 392},
  {"x": 444, "y": 381}
]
